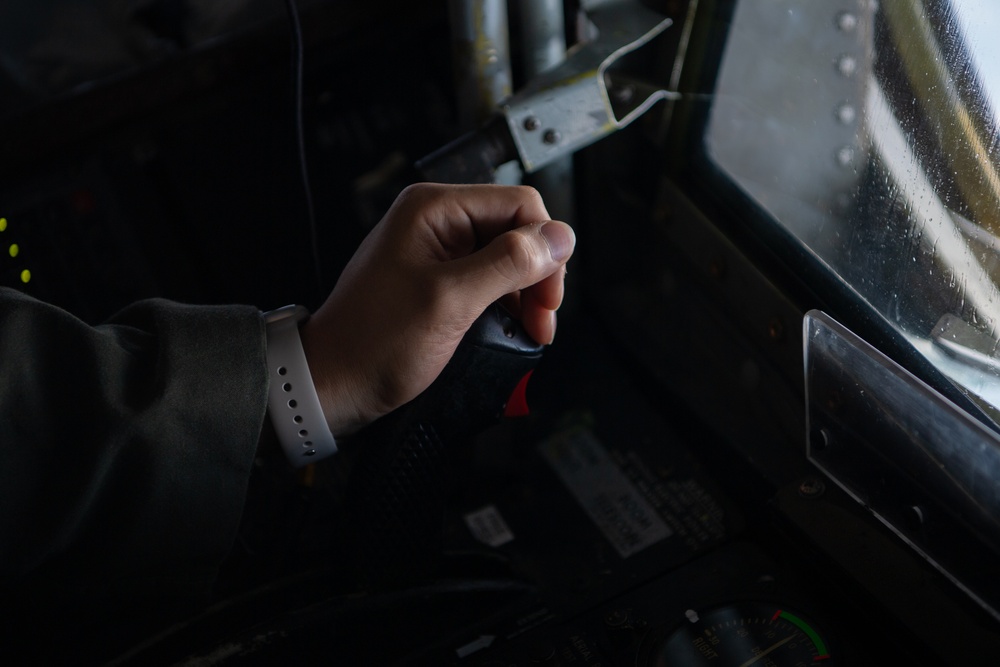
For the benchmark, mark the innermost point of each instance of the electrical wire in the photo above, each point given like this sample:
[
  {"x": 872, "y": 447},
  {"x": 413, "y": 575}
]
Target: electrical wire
[{"x": 298, "y": 57}]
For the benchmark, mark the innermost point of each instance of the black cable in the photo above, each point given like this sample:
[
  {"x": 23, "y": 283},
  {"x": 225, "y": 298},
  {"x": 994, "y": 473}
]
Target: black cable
[{"x": 297, "y": 68}]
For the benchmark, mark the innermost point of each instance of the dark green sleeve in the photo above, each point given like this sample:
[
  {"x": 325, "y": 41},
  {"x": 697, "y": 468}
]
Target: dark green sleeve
[{"x": 125, "y": 449}]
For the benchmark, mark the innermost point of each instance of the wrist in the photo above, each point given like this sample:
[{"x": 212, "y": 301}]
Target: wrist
[
  {"x": 337, "y": 395},
  {"x": 293, "y": 402}
]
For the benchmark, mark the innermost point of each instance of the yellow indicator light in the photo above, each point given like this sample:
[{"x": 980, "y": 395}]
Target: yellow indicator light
[
  {"x": 14, "y": 250},
  {"x": 26, "y": 276},
  {"x": 3, "y": 224}
]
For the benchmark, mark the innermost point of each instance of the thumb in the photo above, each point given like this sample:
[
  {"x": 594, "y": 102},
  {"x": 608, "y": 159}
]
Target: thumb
[{"x": 515, "y": 260}]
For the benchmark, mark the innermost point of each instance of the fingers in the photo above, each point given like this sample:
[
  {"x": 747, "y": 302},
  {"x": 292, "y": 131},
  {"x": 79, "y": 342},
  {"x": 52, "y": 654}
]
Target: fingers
[
  {"x": 439, "y": 257},
  {"x": 487, "y": 242},
  {"x": 537, "y": 306},
  {"x": 525, "y": 267},
  {"x": 529, "y": 258},
  {"x": 461, "y": 218},
  {"x": 538, "y": 321},
  {"x": 493, "y": 242}
]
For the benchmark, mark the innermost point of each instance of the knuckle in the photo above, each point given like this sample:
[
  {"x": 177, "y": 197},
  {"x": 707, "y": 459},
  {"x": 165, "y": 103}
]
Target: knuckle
[
  {"x": 412, "y": 204},
  {"x": 422, "y": 194},
  {"x": 408, "y": 193},
  {"x": 518, "y": 257},
  {"x": 530, "y": 196}
]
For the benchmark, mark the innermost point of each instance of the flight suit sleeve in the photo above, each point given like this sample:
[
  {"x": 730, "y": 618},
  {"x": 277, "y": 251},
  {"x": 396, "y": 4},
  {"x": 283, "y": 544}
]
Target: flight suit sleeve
[{"x": 126, "y": 448}]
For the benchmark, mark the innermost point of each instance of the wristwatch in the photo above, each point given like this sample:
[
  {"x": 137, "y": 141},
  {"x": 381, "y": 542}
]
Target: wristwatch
[{"x": 292, "y": 400}]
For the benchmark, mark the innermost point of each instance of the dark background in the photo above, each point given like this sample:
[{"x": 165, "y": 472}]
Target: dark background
[{"x": 679, "y": 343}]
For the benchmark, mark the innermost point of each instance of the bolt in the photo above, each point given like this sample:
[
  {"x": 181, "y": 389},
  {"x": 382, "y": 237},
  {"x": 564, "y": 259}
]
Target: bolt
[
  {"x": 531, "y": 123},
  {"x": 551, "y": 137},
  {"x": 819, "y": 438},
  {"x": 616, "y": 618},
  {"x": 811, "y": 487}
]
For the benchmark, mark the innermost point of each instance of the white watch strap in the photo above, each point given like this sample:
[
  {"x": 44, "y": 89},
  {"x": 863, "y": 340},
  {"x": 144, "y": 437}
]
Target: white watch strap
[{"x": 292, "y": 400}]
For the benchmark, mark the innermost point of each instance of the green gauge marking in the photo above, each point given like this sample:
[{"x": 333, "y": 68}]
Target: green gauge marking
[
  {"x": 806, "y": 628},
  {"x": 742, "y": 634}
]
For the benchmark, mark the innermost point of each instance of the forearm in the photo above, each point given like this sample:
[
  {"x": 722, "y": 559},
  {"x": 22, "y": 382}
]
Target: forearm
[{"x": 125, "y": 449}]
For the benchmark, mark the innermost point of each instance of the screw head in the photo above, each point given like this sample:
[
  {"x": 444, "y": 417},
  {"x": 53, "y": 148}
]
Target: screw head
[
  {"x": 551, "y": 137},
  {"x": 531, "y": 123},
  {"x": 819, "y": 438},
  {"x": 616, "y": 618},
  {"x": 509, "y": 328},
  {"x": 811, "y": 487}
]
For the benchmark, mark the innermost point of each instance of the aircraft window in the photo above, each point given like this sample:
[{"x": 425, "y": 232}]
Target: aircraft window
[{"x": 868, "y": 130}]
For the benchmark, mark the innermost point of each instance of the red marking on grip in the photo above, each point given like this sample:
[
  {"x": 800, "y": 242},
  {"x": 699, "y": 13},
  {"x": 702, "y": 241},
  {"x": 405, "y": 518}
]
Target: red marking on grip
[{"x": 517, "y": 404}]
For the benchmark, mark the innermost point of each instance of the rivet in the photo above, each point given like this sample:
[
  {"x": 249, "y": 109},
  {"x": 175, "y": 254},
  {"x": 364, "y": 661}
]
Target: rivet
[
  {"x": 845, "y": 156},
  {"x": 846, "y": 114},
  {"x": 811, "y": 487},
  {"x": 847, "y": 65},
  {"x": 847, "y": 21}
]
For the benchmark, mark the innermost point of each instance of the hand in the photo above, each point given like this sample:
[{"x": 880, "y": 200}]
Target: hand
[{"x": 437, "y": 259}]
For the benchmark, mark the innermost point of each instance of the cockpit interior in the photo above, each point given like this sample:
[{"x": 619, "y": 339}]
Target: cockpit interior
[{"x": 768, "y": 430}]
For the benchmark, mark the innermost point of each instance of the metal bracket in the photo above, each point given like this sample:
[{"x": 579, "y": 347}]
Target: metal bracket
[
  {"x": 569, "y": 107},
  {"x": 919, "y": 463}
]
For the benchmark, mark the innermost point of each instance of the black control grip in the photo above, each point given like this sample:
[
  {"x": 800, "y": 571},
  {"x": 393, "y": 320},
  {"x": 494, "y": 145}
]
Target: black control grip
[{"x": 398, "y": 488}]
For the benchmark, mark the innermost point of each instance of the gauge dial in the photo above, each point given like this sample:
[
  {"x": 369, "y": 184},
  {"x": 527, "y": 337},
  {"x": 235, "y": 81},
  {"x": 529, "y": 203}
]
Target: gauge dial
[{"x": 743, "y": 635}]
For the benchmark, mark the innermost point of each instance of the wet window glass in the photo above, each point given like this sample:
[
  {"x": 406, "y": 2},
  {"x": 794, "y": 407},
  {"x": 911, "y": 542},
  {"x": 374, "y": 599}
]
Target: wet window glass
[{"x": 868, "y": 130}]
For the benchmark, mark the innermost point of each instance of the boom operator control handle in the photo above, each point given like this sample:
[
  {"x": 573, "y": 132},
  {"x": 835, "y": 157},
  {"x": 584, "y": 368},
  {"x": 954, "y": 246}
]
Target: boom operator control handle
[{"x": 398, "y": 490}]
